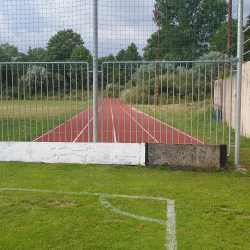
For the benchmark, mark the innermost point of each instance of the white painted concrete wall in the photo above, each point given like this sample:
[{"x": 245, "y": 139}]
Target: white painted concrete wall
[
  {"x": 83, "y": 153},
  {"x": 245, "y": 99}
]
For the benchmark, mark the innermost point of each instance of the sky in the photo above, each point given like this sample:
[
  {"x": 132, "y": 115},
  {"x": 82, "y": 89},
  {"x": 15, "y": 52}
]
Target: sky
[{"x": 31, "y": 23}]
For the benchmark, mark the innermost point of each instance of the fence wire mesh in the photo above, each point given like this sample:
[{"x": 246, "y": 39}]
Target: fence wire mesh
[
  {"x": 55, "y": 31},
  {"x": 50, "y": 102},
  {"x": 155, "y": 58}
]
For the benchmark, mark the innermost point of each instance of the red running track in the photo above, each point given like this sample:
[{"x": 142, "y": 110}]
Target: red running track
[{"x": 121, "y": 123}]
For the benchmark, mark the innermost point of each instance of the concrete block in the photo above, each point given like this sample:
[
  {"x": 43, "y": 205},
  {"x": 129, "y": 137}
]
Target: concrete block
[{"x": 186, "y": 156}]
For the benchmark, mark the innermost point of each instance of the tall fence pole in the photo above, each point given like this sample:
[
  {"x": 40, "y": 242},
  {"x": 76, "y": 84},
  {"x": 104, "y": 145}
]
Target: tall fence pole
[
  {"x": 229, "y": 33},
  {"x": 95, "y": 72},
  {"x": 239, "y": 82}
]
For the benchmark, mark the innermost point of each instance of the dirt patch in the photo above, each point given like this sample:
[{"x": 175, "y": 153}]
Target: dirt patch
[
  {"x": 61, "y": 204},
  {"x": 53, "y": 203},
  {"x": 225, "y": 208},
  {"x": 67, "y": 204},
  {"x": 142, "y": 227}
]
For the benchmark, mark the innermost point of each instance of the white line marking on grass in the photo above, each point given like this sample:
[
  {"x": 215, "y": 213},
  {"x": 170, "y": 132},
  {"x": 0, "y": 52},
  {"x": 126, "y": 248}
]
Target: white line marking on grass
[
  {"x": 119, "y": 211},
  {"x": 171, "y": 241}
]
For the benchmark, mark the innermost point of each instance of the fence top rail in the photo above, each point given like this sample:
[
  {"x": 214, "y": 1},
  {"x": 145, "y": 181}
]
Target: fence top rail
[
  {"x": 1, "y": 63},
  {"x": 168, "y": 62}
]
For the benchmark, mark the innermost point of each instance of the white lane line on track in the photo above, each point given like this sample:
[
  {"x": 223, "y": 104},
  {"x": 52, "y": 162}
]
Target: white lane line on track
[
  {"x": 138, "y": 123},
  {"x": 52, "y": 130},
  {"x": 113, "y": 122},
  {"x": 171, "y": 240},
  {"x": 86, "y": 126},
  {"x": 173, "y": 128}
]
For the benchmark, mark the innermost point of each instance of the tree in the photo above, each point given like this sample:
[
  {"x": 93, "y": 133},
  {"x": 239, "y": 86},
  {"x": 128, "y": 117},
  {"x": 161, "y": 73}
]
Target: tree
[
  {"x": 61, "y": 45},
  {"x": 109, "y": 58},
  {"x": 186, "y": 28},
  {"x": 130, "y": 54},
  {"x": 246, "y": 37},
  {"x": 36, "y": 55},
  {"x": 81, "y": 54},
  {"x": 101, "y": 60},
  {"x": 168, "y": 51},
  {"x": 121, "y": 56},
  {"x": 220, "y": 40},
  {"x": 36, "y": 79},
  {"x": 8, "y": 53},
  {"x": 79, "y": 71}
]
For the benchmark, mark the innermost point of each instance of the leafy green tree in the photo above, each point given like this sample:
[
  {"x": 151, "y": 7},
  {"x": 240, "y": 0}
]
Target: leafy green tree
[
  {"x": 246, "y": 37},
  {"x": 109, "y": 74},
  {"x": 22, "y": 57},
  {"x": 130, "y": 54},
  {"x": 168, "y": 50},
  {"x": 109, "y": 58},
  {"x": 186, "y": 28},
  {"x": 79, "y": 71},
  {"x": 220, "y": 40},
  {"x": 81, "y": 54},
  {"x": 36, "y": 55},
  {"x": 36, "y": 79},
  {"x": 121, "y": 56},
  {"x": 61, "y": 46},
  {"x": 8, "y": 53}
]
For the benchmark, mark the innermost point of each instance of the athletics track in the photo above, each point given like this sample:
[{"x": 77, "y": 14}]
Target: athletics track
[{"x": 130, "y": 126}]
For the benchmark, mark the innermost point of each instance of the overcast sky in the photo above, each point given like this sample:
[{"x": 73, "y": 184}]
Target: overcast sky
[{"x": 25, "y": 23}]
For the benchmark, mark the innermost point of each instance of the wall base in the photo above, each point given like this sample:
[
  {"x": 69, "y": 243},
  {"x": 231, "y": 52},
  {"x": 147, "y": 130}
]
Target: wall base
[
  {"x": 186, "y": 156},
  {"x": 83, "y": 153},
  {"x": 178, "y": 156}
]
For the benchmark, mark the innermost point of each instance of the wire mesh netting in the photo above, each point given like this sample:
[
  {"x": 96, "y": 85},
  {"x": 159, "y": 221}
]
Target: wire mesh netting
[
  {"x": 52, "y": 30},
  {"x": 149, "y": 53},
  {"x": 247, "y": 40}
]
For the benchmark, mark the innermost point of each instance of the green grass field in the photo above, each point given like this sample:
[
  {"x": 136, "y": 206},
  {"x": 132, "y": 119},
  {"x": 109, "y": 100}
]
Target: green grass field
[{"x": 66, "y": 210}]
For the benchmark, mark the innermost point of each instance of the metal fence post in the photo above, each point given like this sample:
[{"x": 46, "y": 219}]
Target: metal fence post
[
  {"x": 239, "y": 82},
  {"x": 95, "y": 72}
]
